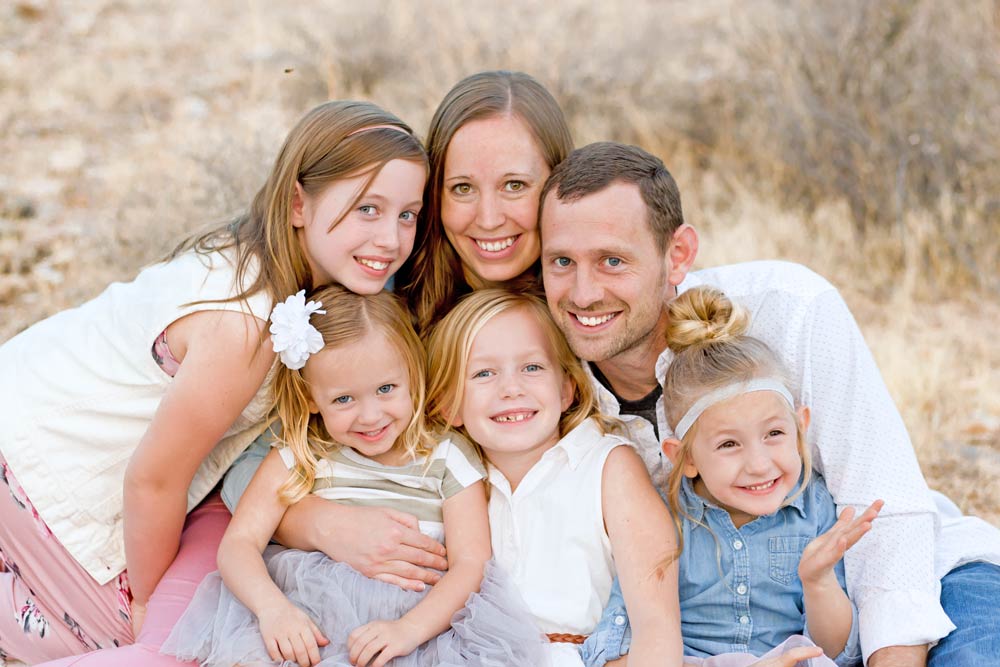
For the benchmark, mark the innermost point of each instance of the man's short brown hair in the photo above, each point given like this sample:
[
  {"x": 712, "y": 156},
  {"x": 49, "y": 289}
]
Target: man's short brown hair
[{"x": 594, "y": 167}]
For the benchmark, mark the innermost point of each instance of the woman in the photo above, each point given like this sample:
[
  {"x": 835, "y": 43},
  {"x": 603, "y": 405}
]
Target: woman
[{"x": 492, "y": 143}]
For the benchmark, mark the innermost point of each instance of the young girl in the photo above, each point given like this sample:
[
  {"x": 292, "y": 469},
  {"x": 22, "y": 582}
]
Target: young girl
[
  {"x": 121, "y": 415},
  {"x": 352, "y": 430},
  {"x": 761, "y": 546},
  {"x": 563, "y": 489}
]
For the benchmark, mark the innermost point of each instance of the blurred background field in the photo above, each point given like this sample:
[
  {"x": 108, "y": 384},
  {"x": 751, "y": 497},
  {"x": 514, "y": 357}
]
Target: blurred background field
[{"x": 860, "y": 138}]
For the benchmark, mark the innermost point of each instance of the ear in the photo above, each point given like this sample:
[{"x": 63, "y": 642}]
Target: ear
[
  {"x": 298, "y": 205},
  {"x": 804, "y": 417},
  {"x": 456, "y": 420},
  {"x": 672, "y": 450},
  {"x": 313, "y": 408},
  {"x": 567, "y": 393},
  {"x": 682, "y": 250}
]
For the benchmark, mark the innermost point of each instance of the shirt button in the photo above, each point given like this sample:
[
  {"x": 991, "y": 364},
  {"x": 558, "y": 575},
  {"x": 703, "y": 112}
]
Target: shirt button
[
  {"x": 619, "y": 620},
  {"x": 742, "y": 589},
  {"x": 737, "y": 544},
  {"x": 744, "y": 619}
]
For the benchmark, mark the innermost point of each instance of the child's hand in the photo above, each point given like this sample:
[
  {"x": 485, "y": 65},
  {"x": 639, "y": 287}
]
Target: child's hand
[
  {"x": 823, "y": 553},
  {"x": 378, "y": 642},
  {"x": 289, "y": 634}
]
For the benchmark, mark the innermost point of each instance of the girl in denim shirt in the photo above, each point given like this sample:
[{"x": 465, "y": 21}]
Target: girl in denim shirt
[{"x": 760, "y": 545}]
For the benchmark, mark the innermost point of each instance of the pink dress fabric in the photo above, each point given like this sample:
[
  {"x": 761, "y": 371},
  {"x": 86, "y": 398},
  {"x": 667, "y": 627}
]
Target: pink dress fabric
[
  {"x": 746, "y": 659},
  {"x": 50, "y": 606}
]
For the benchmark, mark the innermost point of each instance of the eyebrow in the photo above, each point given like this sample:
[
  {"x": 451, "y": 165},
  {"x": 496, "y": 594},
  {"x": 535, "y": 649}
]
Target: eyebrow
[
  {"x": 509, "y": 174},
  {"x": 382, "y": 198}
]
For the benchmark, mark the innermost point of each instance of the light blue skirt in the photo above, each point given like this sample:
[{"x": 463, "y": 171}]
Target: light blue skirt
[{"x": 494, "y": 628}]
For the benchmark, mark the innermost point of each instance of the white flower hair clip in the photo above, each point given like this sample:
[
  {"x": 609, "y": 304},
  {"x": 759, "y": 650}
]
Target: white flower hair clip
[{"x": 294, "y": 339}]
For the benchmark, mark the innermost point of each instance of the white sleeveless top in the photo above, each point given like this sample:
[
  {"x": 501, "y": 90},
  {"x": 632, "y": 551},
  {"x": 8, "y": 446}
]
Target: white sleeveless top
[
  {"x": 79, "y": 389},
  {"x": 549, "y": 535}
]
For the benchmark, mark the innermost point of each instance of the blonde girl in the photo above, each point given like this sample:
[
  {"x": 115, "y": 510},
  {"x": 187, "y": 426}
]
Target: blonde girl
[
  {"x": 761, "y": 547},
  {"x": 122, "y": 415},
  {"x": 564, "y": 489},
  {"x": 350, "y": 398}
]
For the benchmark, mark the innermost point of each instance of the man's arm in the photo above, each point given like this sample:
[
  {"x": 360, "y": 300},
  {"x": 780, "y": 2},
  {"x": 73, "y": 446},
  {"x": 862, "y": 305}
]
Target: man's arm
[{"x": 861, "y": 446}]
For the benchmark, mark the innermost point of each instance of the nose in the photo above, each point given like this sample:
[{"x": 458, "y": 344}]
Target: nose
[
  {"x": 369, "y": 412},
  {"x": 586, "y": 289},
  {"x": 386, "y": 234},
  {"x": 510, "y": 386},
  {"x": 489, "y": 212},
  {"x": 756, "y": 460}
]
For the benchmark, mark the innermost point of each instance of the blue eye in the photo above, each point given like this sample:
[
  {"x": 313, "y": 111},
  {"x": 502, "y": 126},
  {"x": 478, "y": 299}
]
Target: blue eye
[
  {"x": 368, "y": 209},
  {"x": 342, "y": 400},
  {"x": 385, "y": 389},
  {"x": 561, "y": 262},
  {"x": 408, "y": 216},
  {"x": 533, "y": 368},
  {"x": 613, "y": 261},
  {"x": 482, "y": 374}
]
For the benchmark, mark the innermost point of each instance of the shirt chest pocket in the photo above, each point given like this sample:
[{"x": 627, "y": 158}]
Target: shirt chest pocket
[{"x": 784, "y": 552}]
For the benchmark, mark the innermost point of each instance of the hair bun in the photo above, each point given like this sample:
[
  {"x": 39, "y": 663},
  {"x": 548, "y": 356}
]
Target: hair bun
[{"x": 702, "y": 316}]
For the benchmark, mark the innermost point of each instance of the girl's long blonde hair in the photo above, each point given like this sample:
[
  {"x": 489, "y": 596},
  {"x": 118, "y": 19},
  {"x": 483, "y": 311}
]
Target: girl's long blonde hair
[
  {"x": 451, "y": 344},
  {"x": 707, "y": 333},
  {"x": 433, "y": 279},
  {"x": 349, "y": 318},
  {"x": 335, "y": 140}
]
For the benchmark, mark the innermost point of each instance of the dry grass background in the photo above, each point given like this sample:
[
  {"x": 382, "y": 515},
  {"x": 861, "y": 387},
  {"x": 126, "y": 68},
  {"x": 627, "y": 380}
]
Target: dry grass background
[{"x": 859, "y": 138}]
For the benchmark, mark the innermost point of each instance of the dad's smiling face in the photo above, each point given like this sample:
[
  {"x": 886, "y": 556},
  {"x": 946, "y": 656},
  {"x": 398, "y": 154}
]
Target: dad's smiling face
[{"x": 606, "y": 278}]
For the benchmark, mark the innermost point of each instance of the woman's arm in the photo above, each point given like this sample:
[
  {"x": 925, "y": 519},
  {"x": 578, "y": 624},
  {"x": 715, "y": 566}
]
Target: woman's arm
[
  {"x": 642, "y": 537},
  {"x": 288, "y": 632},
  {"x": 379, "y": 542},
  {"x": 467, "y": 533},
  {"x": 224, "y": 364},
  {"x": 829, "y": 613}
]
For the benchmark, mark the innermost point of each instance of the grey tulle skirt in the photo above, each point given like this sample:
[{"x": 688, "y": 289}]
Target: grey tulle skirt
[{"x": 494, "y": 628}]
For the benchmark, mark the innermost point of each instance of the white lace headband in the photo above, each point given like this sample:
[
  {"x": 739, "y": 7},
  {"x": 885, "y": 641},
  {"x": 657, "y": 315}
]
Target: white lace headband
[
  {"x": 726, "y": 392},
  {"x": 294, "y": 339}
]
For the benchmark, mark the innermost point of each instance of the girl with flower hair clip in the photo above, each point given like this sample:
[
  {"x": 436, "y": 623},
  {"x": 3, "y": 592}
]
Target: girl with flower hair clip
[
  {"x": 760, "y": 544},
  {"x": 123, "y": 414},
  {"x": 350, "y": 402}
]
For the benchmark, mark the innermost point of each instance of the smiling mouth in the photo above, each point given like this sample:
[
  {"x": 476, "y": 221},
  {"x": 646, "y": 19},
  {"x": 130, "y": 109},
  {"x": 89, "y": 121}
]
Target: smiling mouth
[
  {"x": 374, "y": 264},
  {"x": 514, "y": 417},
  {"x": 595, "y": 320},
  {"x": 765, "y": 486},
  {"x": 498, "y": 245},
  {"x": 373, "y": 435}
]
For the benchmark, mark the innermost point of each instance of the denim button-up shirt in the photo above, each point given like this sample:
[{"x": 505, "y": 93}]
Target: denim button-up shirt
[{"x": 739, "y": 587}]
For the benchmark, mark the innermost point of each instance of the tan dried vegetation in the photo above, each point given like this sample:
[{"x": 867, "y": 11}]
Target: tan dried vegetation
[{"x": 859, "y": 138}]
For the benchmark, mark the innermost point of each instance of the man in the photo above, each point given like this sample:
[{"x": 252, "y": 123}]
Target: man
[{"x": 615, "y": 250}]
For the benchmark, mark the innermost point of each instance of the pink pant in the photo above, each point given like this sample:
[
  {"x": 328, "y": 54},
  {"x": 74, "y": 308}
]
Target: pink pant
[{"x": 67, "y": 613}]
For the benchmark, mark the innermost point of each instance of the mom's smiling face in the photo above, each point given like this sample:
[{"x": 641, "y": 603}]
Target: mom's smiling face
[{"x": 493, "y": 175}]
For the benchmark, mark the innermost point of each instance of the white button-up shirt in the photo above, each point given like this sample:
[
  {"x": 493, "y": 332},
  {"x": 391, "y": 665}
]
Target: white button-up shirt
[
  {"x": 859, "y": 444},
  {"x": 549, "y": 534}
]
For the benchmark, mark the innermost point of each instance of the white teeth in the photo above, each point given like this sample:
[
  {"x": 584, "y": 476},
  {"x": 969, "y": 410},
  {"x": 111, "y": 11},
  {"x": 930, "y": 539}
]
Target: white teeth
[
  {"x": 496, "y": 246},
  {"x": 594, "y": 321},
  {"x": 518, "y": 417},
  {"x": 761, "y": 487},
  {"x": 378, "y": 266},
  {"x": 372, "y": 434}
]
